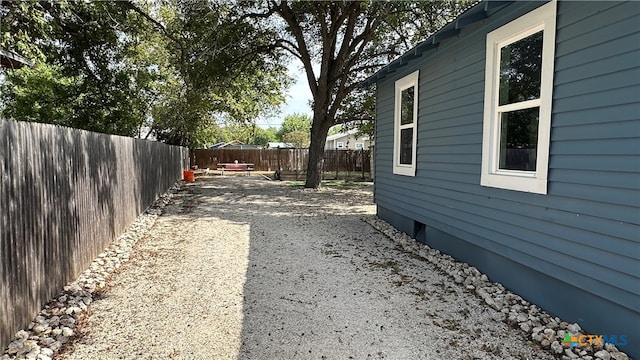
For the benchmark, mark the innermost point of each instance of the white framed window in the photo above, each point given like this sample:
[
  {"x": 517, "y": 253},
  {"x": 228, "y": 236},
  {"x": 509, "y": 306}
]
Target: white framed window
[
  {"x": 339, "y": 145},
  {"x": 517, "y": 102},
  {"x": 405, "y": 124},
  {"x": 359, "y": 146}
]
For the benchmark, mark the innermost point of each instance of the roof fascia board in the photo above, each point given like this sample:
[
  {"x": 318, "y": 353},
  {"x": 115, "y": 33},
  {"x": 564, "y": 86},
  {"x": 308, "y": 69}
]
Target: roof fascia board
[
  {"x": 478, "y": 12},
  {"x": 13, "y": 60},
  {"x": 444, "y": 34}
]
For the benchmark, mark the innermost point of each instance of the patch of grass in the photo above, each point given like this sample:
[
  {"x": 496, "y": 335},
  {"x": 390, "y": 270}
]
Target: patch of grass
[
  {"x": 421, "y": 293},
  {"x": 331, "y": 183},
  {"x": 387, "y": 264},
  {"x": 491, "y": 349},
  {"x": 344, "y": 183},
  {"x": 450, "y": 324}
]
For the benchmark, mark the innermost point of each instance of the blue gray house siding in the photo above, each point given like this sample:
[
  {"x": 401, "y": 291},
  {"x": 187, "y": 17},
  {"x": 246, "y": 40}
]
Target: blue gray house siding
[{"x": 574, "y": 251}]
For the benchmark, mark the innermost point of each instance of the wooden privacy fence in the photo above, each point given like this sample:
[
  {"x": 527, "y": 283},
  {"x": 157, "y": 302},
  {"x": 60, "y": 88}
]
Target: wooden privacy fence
[
  {"x": 286, "y": 159},
  {"x": 65, "y": 195}
]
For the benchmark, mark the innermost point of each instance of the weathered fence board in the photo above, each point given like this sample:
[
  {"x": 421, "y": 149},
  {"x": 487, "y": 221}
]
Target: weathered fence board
[
  {"x": 286, "y": 159},
  {"x": 65, "y": 194}
]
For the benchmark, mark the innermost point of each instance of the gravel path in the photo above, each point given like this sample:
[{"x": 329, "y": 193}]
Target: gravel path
[{"x": 243, "y": 268}]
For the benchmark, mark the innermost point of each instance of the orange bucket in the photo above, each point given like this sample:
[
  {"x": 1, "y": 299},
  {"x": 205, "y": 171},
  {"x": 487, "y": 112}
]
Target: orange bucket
[{"x": 188, "y": 176}]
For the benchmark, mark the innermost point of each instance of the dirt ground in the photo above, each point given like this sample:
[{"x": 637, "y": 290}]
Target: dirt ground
[{"x": 239, "y": 267}]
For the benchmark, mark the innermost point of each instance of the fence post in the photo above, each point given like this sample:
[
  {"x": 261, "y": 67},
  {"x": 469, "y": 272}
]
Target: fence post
[
  {"x": 372, "y": 161},
  {"x": 349, "y": 163},
  {"x": 362, "y": 163}
]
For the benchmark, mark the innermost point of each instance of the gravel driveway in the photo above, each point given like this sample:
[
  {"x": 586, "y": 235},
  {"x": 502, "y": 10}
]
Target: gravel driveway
[{"x": 244, "y": 268}]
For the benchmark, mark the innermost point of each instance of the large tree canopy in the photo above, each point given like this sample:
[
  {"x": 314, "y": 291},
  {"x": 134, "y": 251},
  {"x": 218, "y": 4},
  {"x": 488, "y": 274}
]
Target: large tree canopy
[
  {"x": 177, "y": 66},
  {"x": 83, "y": 75},
  {"x": 341, "y": 43},
  {"x": 184, "y": 65},
  {"x": 223, "y": 67}
]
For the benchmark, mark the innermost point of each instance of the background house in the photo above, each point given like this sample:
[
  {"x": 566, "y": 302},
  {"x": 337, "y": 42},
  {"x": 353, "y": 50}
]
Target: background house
[
  {"x": 347, "y": 141},
  {"x": 234, "y": 144},
  {"x": 280, "y": 145},
  {"x": 534, "y": 182}
]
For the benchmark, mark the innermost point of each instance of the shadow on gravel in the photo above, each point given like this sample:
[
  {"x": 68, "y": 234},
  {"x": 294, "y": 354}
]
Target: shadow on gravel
[
  {"x": 303, "y": 294},
  {"x": 320, "y": 283}
]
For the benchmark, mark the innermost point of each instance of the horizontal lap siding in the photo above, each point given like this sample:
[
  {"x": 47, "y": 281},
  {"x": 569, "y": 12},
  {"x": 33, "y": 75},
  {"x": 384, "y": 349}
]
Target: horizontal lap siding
[{"x": 585, "y": 231}]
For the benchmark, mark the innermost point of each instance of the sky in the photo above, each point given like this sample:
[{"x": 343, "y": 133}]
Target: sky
[{"x": 298, "y": 97}]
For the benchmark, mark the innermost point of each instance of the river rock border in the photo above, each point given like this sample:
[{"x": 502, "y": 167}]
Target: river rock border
[
  {"x": 57, "y": 324},
  {"x": 543, "y": 328}
]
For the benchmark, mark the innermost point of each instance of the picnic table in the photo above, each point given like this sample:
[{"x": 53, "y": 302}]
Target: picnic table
[{"x": 244, "y": 167}]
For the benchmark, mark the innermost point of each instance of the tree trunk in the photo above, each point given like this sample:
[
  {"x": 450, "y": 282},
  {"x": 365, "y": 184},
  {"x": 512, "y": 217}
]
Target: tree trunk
[{"x": 319, "y": 129}]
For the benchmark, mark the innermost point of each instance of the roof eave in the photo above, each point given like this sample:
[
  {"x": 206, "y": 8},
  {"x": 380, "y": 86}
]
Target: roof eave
[
  {"x": 478, "y": 12},
  {"x": 12, "y": 60}
]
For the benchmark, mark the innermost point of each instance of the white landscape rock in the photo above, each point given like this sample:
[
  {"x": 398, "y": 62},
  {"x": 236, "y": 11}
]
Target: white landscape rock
[
  {"x": 574, "y": 329},
  {"x": 557, "y": 347},
  {"x": 67, "y": 332},
  {"x": 619, "y": 356},
  {"x": 603, "y": 354}
]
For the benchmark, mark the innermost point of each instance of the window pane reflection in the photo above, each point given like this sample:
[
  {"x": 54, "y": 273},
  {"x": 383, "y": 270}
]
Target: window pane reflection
[
  {"x": 519, "y": 139},
  {"x": 406, "y": 106},
  {"x": 520, "y": 70},
  {"x": 406, "y": 142}
]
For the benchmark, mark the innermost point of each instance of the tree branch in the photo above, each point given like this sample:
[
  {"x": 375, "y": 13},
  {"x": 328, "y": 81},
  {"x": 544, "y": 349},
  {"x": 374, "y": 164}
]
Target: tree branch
[
  {"x": 290, "y": 47},
  {"x": 266, "y": 15},
  {"x": 289, "y": 17},
  {"x": 154, "y": 22},
  {"x": 368, "y": 67},
  {"x": 348, "y": 36}
]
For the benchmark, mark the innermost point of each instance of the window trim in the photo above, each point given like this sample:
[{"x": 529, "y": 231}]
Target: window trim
[
  {"x": 402, "y": 84},
  {"x": 359, "y": 146},
  {"x": 542, "y": 18},
  {"x": 339, "y": 144}
]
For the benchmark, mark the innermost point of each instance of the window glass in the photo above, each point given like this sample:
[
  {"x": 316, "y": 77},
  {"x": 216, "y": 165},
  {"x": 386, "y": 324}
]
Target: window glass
[
  {"x": 520, "y": 70},
  {"x": 406, "y": 111},
  {"x": 405, "y": 124},
  {"x": 406, "y": 146},
  {"x": 519, "y": 139}
]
